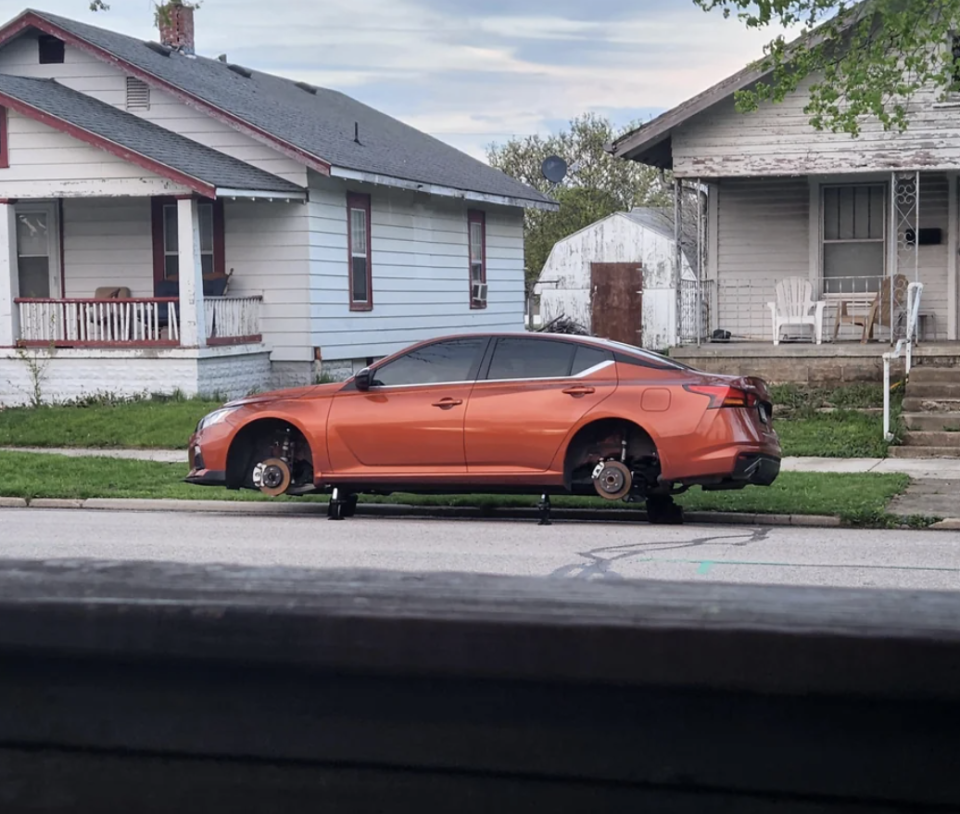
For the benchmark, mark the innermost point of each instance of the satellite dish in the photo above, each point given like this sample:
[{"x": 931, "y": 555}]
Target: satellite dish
[{"x": 554, "y": 169}]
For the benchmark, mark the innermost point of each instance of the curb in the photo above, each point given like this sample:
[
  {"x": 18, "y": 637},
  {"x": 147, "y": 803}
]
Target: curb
[{"x": 405, "y": 510}]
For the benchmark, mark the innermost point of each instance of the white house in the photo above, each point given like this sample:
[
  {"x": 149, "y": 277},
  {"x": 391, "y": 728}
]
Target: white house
[
  {"x": 639, "y": 248},
  {"x": 169, "y": 221}
]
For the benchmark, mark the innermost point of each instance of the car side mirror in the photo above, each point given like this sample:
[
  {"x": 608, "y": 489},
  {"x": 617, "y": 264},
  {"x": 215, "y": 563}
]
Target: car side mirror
[{"x": 364, "y": 379}]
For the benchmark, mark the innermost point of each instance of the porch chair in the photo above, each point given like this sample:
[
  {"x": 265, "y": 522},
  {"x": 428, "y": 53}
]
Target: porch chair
[
  {"x": 880, "y": 309},
  {"x": 794, "y": 306}
]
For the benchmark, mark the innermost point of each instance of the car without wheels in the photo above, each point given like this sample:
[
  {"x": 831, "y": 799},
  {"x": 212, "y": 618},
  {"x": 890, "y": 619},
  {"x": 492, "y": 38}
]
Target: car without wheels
[{"x": 506, "y": 413}]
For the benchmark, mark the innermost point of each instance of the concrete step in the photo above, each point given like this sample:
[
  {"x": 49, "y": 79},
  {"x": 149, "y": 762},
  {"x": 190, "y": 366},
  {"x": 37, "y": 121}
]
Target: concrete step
[
  {"x": 916, "y": 438},
  {"x": 927, "y": 374},
  {"x": 914, "y": 404},
  {"x": 932, "y": 390},
  {"x": 924, "y": 452},
  {"x": 931, "y": 422}
]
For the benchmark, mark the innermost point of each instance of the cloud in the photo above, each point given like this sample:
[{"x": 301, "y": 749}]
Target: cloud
[{"x": 467, "y": 72}]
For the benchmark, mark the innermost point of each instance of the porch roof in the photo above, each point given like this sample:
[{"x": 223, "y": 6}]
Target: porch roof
[{"x": 161, "y": 151}]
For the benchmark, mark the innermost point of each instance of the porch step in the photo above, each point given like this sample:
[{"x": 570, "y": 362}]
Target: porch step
[
  {"x": 930, "y": 374},
  {"x": 933, "y": 390},
  {"x": 921, "y": 438},
  {"x": 924, "y": 452},
  {"x": 931, "y": 422},
  {"x": 916, "y": 404}
]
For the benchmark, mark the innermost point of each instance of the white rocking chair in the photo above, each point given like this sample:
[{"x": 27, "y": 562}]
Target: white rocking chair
[{"x": 794, "y": 306}]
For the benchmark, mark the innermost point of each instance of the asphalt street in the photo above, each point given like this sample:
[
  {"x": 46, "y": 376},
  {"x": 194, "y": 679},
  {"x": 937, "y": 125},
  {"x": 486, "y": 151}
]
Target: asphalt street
[{"x": 572, "y": 550}]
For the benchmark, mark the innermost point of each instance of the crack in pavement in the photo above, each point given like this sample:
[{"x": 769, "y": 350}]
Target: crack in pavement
[{"x": 600, "y": 561}]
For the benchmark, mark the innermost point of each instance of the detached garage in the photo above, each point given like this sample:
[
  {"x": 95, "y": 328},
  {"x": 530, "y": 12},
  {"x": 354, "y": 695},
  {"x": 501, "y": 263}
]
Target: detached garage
[{"x": 616, "y": 278}]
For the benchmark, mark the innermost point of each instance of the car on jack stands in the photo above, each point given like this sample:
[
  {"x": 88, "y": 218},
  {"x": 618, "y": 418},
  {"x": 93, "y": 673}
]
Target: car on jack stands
[{"x": 507, "y": 413}]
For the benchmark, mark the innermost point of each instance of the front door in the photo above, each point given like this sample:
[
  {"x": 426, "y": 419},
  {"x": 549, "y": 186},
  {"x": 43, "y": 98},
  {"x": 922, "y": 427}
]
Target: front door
[
  {"x": 410, "y": 421},
  {"x": 38, "y": 250},
  {"x": 533, "y": 392},
  {"x": 616, "y": 304}
]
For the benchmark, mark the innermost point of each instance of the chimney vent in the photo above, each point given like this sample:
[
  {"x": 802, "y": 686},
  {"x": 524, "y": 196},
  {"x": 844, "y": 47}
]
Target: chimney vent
[{"x": 175, "y": 21}]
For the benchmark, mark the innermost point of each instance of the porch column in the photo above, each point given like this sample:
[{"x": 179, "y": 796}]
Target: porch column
[
  {"x": 193, "y": 330},
  {"x": 9, "y": 277}
]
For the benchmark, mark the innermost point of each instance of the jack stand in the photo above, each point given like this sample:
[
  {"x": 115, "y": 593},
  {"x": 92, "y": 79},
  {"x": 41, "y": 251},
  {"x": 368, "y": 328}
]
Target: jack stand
[
  {"x": 335, "y": 506},
  {"x": 544, "y": 508}
]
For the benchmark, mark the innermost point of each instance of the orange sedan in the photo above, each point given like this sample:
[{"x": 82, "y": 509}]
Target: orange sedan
[{"x": 499, "y": 413}]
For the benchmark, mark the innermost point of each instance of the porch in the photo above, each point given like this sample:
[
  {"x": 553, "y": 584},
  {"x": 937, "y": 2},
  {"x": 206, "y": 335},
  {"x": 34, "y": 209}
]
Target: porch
[{"x": 856, "y": 240}]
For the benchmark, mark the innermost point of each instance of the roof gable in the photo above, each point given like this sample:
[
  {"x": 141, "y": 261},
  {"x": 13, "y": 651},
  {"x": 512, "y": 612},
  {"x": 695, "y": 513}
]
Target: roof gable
[{"x": 321, "y": 128}]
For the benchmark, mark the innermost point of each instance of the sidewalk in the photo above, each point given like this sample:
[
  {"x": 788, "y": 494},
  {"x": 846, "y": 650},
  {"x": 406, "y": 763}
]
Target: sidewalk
[{"x": 925, "y": 468}]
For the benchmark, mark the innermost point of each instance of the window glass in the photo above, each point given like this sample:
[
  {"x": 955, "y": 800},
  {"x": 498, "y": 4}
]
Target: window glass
[
  {"x": 358, "y": 285},
  {"x": 358, "y": 232},
  {"x": 531, "y": 359},
  {"x": 206, "y": 228},
  {"x": 587, "y": 357},
  {"x": 171, "y": 240},
  {"x": 434, "y": 364}
]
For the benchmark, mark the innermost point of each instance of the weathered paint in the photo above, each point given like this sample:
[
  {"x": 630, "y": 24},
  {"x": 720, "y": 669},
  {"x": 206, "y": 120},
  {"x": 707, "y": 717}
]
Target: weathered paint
[
  {"x": 778, "y": 140},
  {"x": 421, "y": 281},
  {"x": 564, "y": 284},
  {"x": 768, "y": 229}
]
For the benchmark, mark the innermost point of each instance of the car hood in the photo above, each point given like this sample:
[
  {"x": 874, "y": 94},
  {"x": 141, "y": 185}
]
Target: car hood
[{"x": 286, "y": 394}]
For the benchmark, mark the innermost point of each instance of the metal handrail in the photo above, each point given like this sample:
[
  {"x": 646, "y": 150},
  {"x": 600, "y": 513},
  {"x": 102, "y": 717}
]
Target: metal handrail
[{"x": 914, "y": 293}]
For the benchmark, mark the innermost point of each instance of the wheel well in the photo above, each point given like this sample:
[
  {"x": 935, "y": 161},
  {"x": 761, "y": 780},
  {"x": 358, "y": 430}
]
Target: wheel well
[
  {"x": 603, "y": 439},
  {"x": 264, "y": 439}
]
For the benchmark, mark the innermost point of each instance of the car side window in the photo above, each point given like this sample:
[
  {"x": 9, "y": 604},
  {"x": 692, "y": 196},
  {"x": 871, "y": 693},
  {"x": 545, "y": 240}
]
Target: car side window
[
  {"x": 449, "y": 361},
  {"x": 531, "y": 359},
  {"x": 587, "y": 357}
]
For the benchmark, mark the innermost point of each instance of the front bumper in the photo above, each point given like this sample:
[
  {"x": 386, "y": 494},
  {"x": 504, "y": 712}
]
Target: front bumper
[{"x": 206, "y": 477}]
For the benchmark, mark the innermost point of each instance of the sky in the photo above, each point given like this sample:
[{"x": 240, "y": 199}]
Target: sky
[{"x": 469, "y": 73}]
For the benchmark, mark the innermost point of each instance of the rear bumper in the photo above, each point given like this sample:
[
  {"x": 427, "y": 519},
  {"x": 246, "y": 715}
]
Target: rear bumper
[{"x": 756, "y": 468}]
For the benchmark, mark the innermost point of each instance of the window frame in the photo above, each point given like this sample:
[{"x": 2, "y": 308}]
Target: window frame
[
  {"x": 882, "y": 240},
  {"x": 4, "y": 139},
  {"x": 359, "y": 201},
  {"x": 49, "y": 39},
  {"x": 158, "y": 208},
  {"x": 478, "y": 217}
]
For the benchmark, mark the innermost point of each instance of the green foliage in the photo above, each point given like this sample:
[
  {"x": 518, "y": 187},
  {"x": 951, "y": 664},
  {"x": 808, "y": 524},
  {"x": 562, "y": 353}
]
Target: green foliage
[
  {"x": 865, "y": 60},
  {"x": 838, "y": 434},
  {"x": 599, "y": 186}
]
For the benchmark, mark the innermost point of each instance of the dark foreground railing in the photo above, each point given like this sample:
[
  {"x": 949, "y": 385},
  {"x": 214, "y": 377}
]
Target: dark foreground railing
[{"x": 171, "y": 688}]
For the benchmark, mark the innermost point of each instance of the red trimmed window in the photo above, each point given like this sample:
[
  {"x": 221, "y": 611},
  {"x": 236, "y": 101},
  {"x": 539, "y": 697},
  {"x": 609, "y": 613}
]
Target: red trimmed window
[
  {"x": 477, "y": 236},
  {"x": 359, "y": 251},
  {"x": 4, "y": 152},
  {"x": 166, "y": 243}
]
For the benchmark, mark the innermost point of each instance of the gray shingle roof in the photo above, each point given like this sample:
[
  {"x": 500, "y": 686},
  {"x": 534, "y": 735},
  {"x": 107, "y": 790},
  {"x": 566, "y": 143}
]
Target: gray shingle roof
[
  {"x": 320, "y": 124},
  {"x": 142, "y": 137}
]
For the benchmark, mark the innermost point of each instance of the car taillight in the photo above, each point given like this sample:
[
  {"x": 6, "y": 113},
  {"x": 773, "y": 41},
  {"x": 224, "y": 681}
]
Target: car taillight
[{"x": 723, "y": 395}]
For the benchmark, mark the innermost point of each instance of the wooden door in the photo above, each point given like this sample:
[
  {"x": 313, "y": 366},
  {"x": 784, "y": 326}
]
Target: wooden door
[{"x": 616, "y": 301}]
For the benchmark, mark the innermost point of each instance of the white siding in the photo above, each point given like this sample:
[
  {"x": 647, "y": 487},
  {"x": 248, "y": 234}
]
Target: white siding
[
  {"x": 763, "y": 237},
  {"x": 420, "y": 271},
  {"x": 107, "y": 83},
  {"x": 45, "y": 163},
  {"x": 565, "y": 279},
  {"x": 107, "y": 242},
  {"x": 266, "y": 246},
  {"x": 932, "y": 260},
  {"x": 777, "y": 139}
]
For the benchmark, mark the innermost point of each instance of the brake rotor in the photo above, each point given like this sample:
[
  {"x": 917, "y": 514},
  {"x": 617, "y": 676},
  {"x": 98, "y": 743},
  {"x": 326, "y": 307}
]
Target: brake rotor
[
  {"x": 272, "y": 476},
  {"x": 613, "y": 481}
]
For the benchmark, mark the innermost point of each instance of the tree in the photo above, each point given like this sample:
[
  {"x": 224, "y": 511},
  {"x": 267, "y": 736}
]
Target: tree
[
  {"x": 597, "y": 184},
  {"x": 865, "y": 60}
]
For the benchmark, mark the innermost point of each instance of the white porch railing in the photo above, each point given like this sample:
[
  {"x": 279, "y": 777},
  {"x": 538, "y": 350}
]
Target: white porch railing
[
  {"x": 232, "y": 320},
  {"x": 914, "y": 294},
  {"x": 147, "y": 321}
]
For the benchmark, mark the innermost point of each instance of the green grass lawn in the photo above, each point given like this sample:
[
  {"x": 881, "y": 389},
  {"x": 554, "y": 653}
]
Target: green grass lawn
[
  {"x": 143, "y": 424},
  {"x": 857, "y": 498}
]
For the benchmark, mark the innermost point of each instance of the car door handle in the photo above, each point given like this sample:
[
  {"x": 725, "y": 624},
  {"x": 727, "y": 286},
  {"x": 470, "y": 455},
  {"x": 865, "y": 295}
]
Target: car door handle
[
  {"x": 447, "y": 402},
  {"x": 579, "y": 390}
]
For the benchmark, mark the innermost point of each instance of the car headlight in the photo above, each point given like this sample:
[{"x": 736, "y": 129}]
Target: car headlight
[{"x": 215, "y": 417}]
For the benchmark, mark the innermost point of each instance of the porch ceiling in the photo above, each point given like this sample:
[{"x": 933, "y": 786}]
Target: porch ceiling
[{"x": 161, "y": 151}]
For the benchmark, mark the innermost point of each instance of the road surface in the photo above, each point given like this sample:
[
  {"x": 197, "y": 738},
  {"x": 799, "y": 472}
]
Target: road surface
[{"x": 772, "y": 555}]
